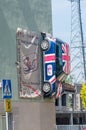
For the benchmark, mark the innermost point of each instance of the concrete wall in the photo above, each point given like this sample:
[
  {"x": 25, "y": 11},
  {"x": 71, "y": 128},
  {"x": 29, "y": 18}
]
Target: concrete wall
[
  {"x": 34, "y": 116},
  {"x": 30, "y": 115},
  {"x": 36, "y": 16}
]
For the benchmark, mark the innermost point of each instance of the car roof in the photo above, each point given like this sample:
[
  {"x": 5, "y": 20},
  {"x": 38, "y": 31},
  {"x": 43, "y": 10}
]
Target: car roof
[{"x": 60, "y": 41}]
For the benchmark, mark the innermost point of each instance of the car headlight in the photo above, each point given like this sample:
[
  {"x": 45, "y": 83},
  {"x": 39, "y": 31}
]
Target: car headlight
[
  {"x": 46, "y": 87},
  {"x": 45, "y": 45}
]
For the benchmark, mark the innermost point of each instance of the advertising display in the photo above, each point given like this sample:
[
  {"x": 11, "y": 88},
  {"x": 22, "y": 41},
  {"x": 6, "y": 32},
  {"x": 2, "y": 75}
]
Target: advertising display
[{"x": 28, "y": 64}]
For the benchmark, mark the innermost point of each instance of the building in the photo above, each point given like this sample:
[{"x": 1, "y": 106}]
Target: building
[{"x": 69, "y": 110}]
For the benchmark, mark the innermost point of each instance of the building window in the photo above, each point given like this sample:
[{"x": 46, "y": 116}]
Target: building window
[
  {"x": 57, "y": 102},
  {"x": 64, "y": 100}
]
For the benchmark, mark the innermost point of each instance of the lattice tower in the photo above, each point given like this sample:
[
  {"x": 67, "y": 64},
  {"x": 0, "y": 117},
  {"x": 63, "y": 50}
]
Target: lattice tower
[{"x": 77, "y": 47}]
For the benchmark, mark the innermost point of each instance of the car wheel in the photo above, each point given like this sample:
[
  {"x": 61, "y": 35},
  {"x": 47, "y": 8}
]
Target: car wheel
[
  {"x": 45, "y": 45},
  {"x": 46, "y": 87}
]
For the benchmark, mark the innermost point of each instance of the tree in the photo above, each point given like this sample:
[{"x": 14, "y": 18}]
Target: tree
[
  {"x": 83, "y": 95},
  {"x": 69, "y": 79}
]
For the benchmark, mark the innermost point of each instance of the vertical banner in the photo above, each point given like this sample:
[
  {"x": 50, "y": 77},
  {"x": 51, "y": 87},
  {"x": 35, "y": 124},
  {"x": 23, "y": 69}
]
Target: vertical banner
[
  {"x": 28, "y": 64},
  {"x": 66, "y": 58},
  {"x": 59, "y": 90}
]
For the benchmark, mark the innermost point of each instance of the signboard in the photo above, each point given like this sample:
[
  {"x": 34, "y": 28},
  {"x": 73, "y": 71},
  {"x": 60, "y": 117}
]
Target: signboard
[
  {"x": 8, "y": 107},
  {"x": 28, "y": 59},
  {"x": 6, "y": 89}
]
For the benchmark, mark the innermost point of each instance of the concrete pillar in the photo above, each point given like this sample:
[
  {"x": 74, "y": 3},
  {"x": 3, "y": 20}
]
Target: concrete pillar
[
  {"x": 71, "y": 119},
  {"x": 34, "y": 116}
]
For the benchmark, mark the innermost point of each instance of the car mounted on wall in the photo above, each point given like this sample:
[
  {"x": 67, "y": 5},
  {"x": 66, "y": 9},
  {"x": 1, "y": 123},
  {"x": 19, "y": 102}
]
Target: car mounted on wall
[
  {"x": 49, "y": 78},
  {"x": 55, "y": 60}
]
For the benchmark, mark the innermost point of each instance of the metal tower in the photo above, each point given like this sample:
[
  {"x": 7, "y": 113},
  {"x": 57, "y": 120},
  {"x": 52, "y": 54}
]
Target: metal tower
[{"x": 77, "y": 47}]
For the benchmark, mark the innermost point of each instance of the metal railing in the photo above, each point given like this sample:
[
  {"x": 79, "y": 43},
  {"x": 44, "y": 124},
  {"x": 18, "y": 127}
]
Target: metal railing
[{"x": 70, "y": 127}]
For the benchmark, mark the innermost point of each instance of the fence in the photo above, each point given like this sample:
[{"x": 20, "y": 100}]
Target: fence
[{"x": 71, "y": 127}]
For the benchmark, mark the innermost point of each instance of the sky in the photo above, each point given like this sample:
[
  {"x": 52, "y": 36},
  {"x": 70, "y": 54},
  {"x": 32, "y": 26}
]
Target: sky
[{"x": 61, "y": 18}]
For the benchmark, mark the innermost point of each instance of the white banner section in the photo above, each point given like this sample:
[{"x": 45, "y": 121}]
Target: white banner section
[{"x": 28, "y": 64}]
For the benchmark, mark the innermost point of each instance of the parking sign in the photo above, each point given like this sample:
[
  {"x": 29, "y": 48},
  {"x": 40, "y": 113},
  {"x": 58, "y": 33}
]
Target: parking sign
[{"x": 6, "y": 89}]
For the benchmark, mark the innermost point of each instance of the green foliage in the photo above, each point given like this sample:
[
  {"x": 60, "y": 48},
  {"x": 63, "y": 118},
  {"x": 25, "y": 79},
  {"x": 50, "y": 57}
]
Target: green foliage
[
  {"x": 69, "y": 79},
  {"x": 71, "y": 102}
]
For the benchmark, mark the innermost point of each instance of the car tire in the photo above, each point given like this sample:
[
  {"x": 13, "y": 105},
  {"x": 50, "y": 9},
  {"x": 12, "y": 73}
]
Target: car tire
[
  {"x": 46, "y": 87},
  {"x": 45, "y": 45}
]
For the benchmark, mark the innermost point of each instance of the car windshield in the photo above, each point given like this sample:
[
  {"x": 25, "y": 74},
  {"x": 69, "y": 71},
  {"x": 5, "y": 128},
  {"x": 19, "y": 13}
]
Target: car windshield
[{"x": 59, "y": 62}]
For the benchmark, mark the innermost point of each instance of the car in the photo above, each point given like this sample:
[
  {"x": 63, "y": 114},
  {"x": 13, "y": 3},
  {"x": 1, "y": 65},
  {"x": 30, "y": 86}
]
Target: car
[
  {"x": 56, "y": 65},
  {"x": 49, "y": 66}
]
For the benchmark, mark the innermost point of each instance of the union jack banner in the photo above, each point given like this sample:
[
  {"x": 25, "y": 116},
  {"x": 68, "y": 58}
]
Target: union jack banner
[
  {"x": 66, "y": 58},
  {"x": 59, "y": 90}
]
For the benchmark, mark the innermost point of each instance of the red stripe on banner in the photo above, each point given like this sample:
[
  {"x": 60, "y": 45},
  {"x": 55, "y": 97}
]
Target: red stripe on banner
[
  {"x": 52, "y": 80},
  {"x": 51, "y": 57},
  {"x": 65, "y": 57}
]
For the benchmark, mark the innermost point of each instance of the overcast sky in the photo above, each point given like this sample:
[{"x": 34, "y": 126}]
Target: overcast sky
[{"x": 61, "y": 16}]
